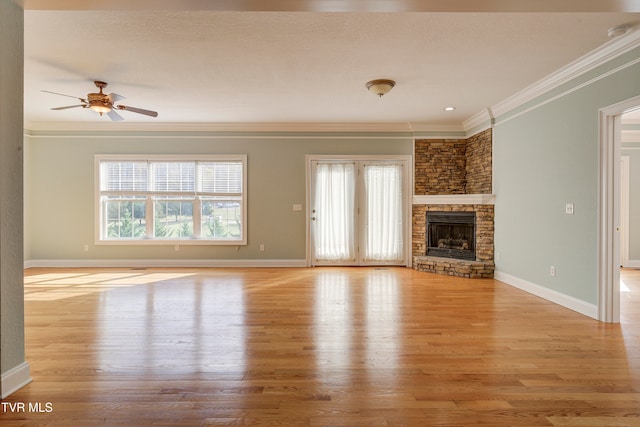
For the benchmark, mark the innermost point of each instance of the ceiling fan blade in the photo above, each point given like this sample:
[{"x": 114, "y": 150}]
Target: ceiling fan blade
[
  {"x": 138, "y": 110},
  {"x": 70, "y": 106},
  {"x": 115, "y": 117},
  {"x": 114, "y": 97},
  {"x": 62, "y": 94}
]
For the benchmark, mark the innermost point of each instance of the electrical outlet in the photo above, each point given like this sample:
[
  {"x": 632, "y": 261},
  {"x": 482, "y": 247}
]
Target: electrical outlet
[
  {"x": 86, "y": 248},
  {"x": 177, "y": 248},
  {"x": 261, "y": 247},
  {"x": 552, "y": 271}
]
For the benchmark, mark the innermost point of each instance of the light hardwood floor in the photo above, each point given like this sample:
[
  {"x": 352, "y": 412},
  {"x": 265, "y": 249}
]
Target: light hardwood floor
[{"x": 318, "y": 347}]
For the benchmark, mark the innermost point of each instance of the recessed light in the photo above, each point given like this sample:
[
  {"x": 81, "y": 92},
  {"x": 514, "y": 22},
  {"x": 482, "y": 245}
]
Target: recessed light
[{"x": 449, "y": 108}]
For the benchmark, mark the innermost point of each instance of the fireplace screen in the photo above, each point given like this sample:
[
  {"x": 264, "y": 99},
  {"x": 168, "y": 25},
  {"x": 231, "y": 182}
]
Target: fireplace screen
[{"x": 451, "y": 234}]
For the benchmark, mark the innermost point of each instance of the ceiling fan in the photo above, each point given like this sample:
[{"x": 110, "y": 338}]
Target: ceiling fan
[{"x": 102, "y": 103}]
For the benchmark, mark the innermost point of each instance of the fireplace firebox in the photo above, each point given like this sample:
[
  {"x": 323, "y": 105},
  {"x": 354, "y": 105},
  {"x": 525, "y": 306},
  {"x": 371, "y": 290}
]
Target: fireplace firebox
[{"x": 451, "y": 235}]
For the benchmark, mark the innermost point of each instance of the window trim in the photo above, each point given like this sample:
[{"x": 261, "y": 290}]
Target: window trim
[{"x": 98, "y": 211}]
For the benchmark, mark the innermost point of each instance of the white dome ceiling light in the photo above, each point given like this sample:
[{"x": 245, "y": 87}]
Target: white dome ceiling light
[{"x": 380, "y": 87}]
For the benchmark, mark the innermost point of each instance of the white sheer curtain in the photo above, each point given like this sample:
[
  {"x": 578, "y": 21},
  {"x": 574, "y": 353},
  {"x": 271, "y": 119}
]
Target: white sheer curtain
[
  {"x": 383, "y": 189},
  {"x": 334, "y": 212}
]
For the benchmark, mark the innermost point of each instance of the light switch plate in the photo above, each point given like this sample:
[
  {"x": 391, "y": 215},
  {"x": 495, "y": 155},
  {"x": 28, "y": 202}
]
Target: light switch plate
[{"x": 568, "y": 209}]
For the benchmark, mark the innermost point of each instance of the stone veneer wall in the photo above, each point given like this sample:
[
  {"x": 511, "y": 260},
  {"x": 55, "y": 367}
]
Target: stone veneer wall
[
  {"x": 440, "y": 166},
  {"x": 454, "y": 166},
  {"x": 479, "y": 167}
]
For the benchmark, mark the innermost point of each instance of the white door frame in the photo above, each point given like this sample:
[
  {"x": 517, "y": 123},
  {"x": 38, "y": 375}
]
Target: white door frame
[
  {"x": 408, "y": 199},
  {"x": 609, "y": 209},
  {"x": 624, "y": 211}
]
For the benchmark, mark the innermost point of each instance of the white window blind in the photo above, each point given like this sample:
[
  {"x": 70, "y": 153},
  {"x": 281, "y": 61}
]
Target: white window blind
[
  {"x": 200, "y": 199},
  {"x": 220, "y": 177},
  {"x": 125, "y": 176},
  {"x": 173, "y": 176}
]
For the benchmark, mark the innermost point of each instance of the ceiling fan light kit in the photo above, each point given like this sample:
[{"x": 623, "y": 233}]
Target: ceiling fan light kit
[
  {"x": 380, "y": 87},
  {"x": 102, "y": 103},
  {"x": 99, "y": 102}
]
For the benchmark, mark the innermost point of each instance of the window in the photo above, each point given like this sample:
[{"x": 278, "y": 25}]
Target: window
[{"x": 171, "y": 199}]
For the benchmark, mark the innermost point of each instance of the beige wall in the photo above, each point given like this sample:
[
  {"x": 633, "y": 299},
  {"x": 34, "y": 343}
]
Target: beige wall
[
  {"x": 60, "y": 191},
  {"x": 12, "y": 357}
]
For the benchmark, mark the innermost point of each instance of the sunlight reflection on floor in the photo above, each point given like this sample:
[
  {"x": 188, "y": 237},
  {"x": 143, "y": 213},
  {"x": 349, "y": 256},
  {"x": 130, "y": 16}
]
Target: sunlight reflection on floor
[
  {"x": 624, "y": 287},
  {"x": 56, "y": 286}
]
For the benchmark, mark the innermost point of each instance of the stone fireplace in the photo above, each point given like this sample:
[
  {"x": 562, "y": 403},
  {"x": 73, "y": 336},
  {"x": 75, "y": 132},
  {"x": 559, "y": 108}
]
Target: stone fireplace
[
  {"x": 451, "y": 234},
  {"x": 480, "y": 206},
  {"x": 460, "y": 240}
]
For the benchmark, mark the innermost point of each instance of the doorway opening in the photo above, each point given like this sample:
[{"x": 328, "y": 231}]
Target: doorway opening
[{"x": 610, "y": 207}]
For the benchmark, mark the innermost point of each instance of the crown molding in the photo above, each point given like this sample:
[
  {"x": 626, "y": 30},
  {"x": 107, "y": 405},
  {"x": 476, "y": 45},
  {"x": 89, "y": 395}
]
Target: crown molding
[
  {"x": 484, "y": 118},
  {"x": 411, "y": 129},
  {"x": 564, "y": 6},
  {"x": 600, "y": 56},
  {"x": 430, "y": 127},
  {"x": 107, "y": 126}
]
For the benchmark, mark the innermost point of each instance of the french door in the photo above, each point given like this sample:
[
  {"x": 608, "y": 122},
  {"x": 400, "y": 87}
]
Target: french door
[{"x": 359, "y": 212}]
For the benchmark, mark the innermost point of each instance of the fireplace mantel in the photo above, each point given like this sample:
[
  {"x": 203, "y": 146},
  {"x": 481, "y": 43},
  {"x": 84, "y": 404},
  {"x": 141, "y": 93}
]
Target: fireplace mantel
[{"x": 454, "y": 199}]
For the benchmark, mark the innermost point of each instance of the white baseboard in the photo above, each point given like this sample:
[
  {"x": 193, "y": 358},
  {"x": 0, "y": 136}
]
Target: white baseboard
[
  {"x": 149, "y": 263},
  {"x": 633, "y": 263},
  {"x": 582, "y": 307},
  {"x": 15, "y": 378}
]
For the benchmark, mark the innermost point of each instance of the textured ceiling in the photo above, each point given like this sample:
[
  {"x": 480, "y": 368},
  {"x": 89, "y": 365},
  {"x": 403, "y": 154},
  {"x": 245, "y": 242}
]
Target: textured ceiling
[{"x": 208, "y": 66}]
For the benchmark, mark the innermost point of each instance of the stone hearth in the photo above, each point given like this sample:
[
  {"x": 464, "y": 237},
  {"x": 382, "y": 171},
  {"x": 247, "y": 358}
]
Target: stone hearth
[{"x": 454, "y": 267}]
